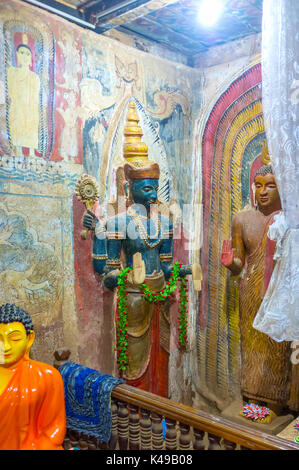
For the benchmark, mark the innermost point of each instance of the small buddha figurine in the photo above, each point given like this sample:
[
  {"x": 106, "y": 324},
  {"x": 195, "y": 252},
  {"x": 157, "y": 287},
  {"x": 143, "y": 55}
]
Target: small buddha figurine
[{"x": 32, "y": 408}]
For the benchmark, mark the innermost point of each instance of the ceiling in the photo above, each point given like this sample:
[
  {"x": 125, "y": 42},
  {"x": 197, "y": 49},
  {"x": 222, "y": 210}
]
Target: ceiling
[{"x": 171, "y": 23}]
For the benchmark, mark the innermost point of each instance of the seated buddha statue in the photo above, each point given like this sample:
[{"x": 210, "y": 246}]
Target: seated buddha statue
[{"x": 32, "y": 409}]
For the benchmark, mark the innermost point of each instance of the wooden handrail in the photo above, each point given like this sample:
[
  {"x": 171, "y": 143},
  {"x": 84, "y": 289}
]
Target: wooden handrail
[{"x": 215, "y": 425}]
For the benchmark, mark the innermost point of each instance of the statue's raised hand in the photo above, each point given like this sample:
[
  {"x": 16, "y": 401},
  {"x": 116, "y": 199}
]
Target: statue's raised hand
[
  {"x": 227, "y": 254},
  {"x": 137, "y": 275}
]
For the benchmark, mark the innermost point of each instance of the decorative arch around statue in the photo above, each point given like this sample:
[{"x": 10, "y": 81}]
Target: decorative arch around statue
[{"x": 232, "y": 140}]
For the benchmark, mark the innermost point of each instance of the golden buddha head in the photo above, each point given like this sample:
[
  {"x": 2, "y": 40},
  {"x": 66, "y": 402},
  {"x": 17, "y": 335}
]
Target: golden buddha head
[
  {"x": 16, "y": 335},
  {"x": 266, "y": 191}
]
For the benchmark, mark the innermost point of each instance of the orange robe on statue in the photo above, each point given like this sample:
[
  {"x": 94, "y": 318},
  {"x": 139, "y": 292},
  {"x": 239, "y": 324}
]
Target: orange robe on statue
[{"x": 32, "y": 408}]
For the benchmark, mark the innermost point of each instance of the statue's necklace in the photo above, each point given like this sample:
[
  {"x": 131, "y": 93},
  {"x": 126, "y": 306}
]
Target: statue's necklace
[{"x": 142, "y": 230}]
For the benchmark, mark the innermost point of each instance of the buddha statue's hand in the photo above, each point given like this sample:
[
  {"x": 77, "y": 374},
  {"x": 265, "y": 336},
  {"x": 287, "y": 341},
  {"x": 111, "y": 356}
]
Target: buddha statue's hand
[
  {"x": 227, "y": 253},
  {"x": 90, "y": 220}
]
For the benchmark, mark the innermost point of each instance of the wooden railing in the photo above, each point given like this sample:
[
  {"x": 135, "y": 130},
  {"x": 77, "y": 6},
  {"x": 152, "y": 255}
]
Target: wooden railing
[{"x": 137, "y": 418}]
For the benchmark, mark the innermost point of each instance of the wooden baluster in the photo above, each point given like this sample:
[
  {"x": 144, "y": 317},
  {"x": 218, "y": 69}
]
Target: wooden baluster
[
  {"x": 123, "y": 425},
  {"x": 157, "y": 431},
  {"x": 92, "y": 443},
  {"x": 134, "y": 428},
  {"x": 145, "y": 429},
  {"x": 185, "y": 437},
  {"x": 214, "y": 442},
  {"x": 171, "y": 434},
  {"x": 229, "y": 445},
  {"x": 67, "y": 442},
  {"x": 114, "y": 425},
  {"x": 83, "y": 442},
  {"x": 198, "y": 443},
  {"x": 74, "y": 438}
]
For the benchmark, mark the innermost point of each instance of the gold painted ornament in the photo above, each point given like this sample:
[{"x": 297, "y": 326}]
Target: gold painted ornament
[{"x": 87, "y": 191}]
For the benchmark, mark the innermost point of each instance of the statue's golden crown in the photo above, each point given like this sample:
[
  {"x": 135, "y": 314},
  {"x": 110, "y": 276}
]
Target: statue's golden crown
[{"x": 135, "y": 151}]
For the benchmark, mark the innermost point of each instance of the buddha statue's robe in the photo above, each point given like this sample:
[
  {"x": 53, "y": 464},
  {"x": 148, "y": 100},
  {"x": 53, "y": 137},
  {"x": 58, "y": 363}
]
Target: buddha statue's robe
[
  {"x": 32, "y": 408},
  {"x": 265, "y": 363}
]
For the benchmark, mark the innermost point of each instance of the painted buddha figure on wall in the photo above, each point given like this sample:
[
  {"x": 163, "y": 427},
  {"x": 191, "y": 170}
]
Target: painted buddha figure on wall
[
  {"x": 265, "y": 363},
  {"x": 139, "y": 230},
  {"x": 23, "y": 89}
]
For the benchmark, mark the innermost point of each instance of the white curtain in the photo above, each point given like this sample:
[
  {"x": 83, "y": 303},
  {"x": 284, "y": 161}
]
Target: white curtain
[{"x": 278, "y": 315}]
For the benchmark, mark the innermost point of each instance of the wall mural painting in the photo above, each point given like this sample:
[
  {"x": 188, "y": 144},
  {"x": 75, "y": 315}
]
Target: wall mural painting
[
  {"x": 231, "y": 149},
  {"x": 69, "y": 112},
  {"x": 30, "y": 271},
  {"x": 105, "y": 100},
  {"x": 27, "y": 77}
]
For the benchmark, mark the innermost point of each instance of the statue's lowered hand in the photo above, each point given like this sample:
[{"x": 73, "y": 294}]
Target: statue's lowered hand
[
  {"x": 227, "y": 254},
  {"x": 196, "y": 276}
]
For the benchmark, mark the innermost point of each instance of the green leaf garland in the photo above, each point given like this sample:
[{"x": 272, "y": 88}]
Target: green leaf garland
[
  {"x": 121, "y": 319},
  {"x": 150, "y": 296}
]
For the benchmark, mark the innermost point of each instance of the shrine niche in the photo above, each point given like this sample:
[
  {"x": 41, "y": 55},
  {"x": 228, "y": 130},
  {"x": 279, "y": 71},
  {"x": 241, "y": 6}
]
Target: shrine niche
[
  {"x": 28, "y": 74},
  {"x": 233, "y": 153},
  {"x": 232, "y": 139}
]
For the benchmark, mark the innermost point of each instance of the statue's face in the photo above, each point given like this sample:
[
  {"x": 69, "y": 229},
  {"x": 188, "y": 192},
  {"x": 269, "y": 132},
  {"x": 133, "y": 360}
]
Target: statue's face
[
  {"x": 14, "y": 343},
  {"x": 24, "y": 57},
  {"x": 145, "y": 191},
  {"x": 266, "y": 192}
]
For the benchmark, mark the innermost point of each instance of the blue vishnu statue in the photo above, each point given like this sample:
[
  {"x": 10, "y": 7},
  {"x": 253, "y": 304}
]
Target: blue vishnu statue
[{"x": 140, "y": 238}]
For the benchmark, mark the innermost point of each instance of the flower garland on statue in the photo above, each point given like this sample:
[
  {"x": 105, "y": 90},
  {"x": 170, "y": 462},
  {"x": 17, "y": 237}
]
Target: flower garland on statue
[{"x": 122, "y": 324}]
